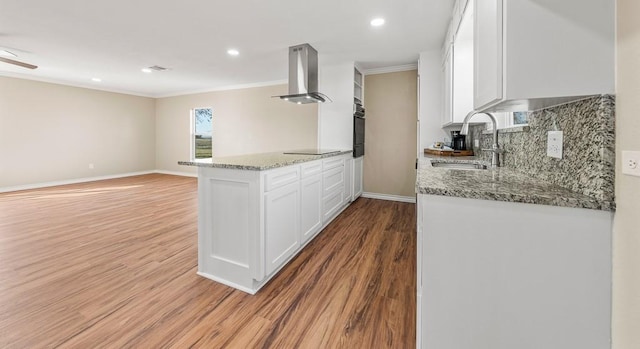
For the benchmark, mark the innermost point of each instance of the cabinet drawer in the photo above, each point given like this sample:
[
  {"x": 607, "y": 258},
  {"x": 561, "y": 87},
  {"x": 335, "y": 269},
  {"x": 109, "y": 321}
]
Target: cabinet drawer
[
  {"x": 332, "y": 180},
  {"x": 282, "y": 176},
  {"x": 331, "y": 204},
  {"x": 308, "y": 169},
  {"x": 332, "y": 162}
]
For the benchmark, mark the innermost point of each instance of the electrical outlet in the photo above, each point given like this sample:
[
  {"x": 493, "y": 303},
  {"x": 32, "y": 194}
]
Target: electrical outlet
[
  {"x": 91, "y": 166},
  {"x": 476, "y": 143},
  {"x": 631, "y": 163},
  {"x": 554, "y": 144}
]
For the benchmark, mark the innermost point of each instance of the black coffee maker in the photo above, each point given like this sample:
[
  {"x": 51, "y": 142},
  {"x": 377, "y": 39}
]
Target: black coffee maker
[{"x": 458, "y": 141}]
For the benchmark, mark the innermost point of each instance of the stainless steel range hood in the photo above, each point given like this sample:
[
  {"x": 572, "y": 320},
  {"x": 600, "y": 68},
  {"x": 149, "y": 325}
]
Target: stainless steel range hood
[{"x": 303, "y": 76}]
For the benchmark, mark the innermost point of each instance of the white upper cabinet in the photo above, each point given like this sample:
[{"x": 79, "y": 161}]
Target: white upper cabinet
[
  {"x": 487, "y": 80},
  {"x": 447, "y": 71},
  {"x": 458, "y": 67},
  {"x": 463, "y": 67},
  {"x": 358, "y": 83},
  {"x": 531, "y": 54},
  {"x": 335, "y": 118}
]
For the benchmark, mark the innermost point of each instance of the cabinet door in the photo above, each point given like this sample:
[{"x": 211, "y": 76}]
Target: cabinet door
[
  {"x": 463, "y": 68},
  {"x": 447, "y": 112},
  {"x": 357, "y": 177},
  {"x": 311, "y": 206},
  {"x": 348, "y": 180},
  {"x": 282, "y": 224},
  {"x": 488, "y": 53}
]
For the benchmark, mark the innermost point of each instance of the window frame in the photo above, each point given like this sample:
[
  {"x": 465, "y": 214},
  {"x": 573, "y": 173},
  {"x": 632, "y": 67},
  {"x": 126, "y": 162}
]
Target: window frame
[
  {"x": 192, "y": 134},
  {"x": 511, "y": 120}
]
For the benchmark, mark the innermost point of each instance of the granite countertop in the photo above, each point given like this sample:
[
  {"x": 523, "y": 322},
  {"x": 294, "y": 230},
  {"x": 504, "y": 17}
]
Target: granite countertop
[
  {"x": 260, "y": 162},
  {"x": 499, "y": 184}
]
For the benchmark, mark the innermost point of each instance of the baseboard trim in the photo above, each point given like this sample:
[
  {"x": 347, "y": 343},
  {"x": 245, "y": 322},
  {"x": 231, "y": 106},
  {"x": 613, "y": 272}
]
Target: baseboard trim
[
  {"x": 389, "y": 197},
  {"x": 228, "y": 283},
  {"x": 176, "y": 173},
  {"x": 71, "y": 181}
]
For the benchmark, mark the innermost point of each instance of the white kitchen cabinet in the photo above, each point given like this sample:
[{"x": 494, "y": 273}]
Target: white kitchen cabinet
[
  {"x": 348, "y": 180},
  {"x": 282, "y": 224},
  {"x": 333, "y": 180},
  {"x": 310, "y": 199},
  {"x": 462, "y": 88},
  {"x": 447, "y": 72},
  {"x": 458, "y": 70},
  {"x": 251, "y": 223},
  {"x": 532, "y": 54},
  {"x": 488, "y": 52},
  {"x": 333, "y": 184},
  {"x": 358, "y": 84},
  {"x": 310, "y": 206},
  {"x": 335, "y": 118},
  {"x": 357, "y": 177},
  {"x": 512, "y": 275}
]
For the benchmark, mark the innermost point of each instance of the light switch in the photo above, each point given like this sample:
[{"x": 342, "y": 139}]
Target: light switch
[{"x": 554, "y": 144}]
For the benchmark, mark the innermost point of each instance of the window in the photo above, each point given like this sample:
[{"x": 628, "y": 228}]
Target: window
[
  {"x": 511, "y": 119},
  {"x": 201, "y": 133},
  {"x": 519, "y": 118}
]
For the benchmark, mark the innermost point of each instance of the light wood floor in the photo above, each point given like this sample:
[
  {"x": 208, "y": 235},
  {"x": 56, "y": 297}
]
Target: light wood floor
[{"x": 112, "y": 264}]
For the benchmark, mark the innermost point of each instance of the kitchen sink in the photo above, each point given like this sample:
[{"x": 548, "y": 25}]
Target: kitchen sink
[{"x": 459, "y": 165}]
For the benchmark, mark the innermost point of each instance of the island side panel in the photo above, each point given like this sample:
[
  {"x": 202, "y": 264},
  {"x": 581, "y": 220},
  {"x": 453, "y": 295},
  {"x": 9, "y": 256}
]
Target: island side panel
[{"x": 228, "y": 226}]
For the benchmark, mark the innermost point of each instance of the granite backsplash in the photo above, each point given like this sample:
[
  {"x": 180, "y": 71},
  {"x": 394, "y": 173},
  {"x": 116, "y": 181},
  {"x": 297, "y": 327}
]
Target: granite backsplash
[{"x": 588, "y": 163}]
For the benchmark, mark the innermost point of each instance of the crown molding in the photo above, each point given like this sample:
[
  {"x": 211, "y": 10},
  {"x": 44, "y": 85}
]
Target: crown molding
[
  {"x": 392, "y": 69},
  {"x": 71, "y": 84},
  {"x": 224, "y": 88}
]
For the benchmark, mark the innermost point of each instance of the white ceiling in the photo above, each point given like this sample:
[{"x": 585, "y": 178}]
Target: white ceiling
[{"x": 73, "y": 41}]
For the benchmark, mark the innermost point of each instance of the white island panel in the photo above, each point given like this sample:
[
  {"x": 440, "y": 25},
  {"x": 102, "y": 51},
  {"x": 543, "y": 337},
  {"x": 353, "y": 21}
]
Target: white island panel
[{"x": 229, "y": 226}]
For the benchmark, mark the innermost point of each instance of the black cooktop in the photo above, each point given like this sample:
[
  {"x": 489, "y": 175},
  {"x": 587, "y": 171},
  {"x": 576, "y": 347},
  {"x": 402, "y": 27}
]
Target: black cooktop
[{"x": 311, "y": 151}]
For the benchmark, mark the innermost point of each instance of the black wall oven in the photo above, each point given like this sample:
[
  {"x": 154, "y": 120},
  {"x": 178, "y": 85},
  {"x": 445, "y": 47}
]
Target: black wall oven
[
  {"x": 358, "y": 128},
  {"x": 358, "y": 136}
]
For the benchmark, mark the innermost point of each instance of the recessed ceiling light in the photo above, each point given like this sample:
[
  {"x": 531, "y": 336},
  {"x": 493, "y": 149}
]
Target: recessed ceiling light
[
  {"x": 96, "y": 79},
  {"x": 146, "y": 70},
  {"x": 376, "y": 22},
  {"x": 6, "y": 53},
  {"x": 233, "y": 52}
]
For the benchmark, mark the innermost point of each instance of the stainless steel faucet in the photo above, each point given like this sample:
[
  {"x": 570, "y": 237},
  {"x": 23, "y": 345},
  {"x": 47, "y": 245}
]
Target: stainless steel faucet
[{"x": 495, "y": 148}]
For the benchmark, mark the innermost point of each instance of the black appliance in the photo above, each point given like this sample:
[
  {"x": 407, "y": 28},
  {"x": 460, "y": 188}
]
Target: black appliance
[
  {"x": 311, "y": 151},
  {"x": 458, "y": 141},
  {"x": 358, "y": 129}
]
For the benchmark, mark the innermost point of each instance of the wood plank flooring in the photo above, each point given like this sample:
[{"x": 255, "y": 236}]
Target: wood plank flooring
[{"x": 112, "y": 264}]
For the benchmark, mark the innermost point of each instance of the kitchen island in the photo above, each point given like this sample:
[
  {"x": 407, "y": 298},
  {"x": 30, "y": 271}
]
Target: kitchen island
[
  {"x": 506, "y": 260},
  {"x": 257, "y": 211}
]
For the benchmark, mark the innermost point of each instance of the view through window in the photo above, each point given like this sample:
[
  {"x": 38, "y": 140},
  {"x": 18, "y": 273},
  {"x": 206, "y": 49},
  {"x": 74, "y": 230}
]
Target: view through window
[{"x": 202, "y": 121}]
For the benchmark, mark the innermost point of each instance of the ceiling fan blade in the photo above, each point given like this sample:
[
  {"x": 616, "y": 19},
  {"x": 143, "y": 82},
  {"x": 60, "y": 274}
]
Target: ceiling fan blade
[{"x": 22, "y": 64}]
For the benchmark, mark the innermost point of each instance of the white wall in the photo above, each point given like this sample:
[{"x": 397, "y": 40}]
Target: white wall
[
  {"x": 626, "y": 251},
  {"x": 335, "y": 118},
  {"x": 431, "y": 98},
  {"x": 51, "y": 132},
  {"x": 390, "y": 129},
  {"x": 244, "y": 121}
]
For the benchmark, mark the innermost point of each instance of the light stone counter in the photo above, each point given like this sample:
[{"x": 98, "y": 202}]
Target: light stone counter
[
  {"x": 259, "y": 162},
  {"x": 500, "y": 184}
]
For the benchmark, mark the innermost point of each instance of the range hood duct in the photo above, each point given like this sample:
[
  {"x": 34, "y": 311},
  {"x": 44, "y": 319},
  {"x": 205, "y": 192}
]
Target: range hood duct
[{"x": 303, "y": 76}]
